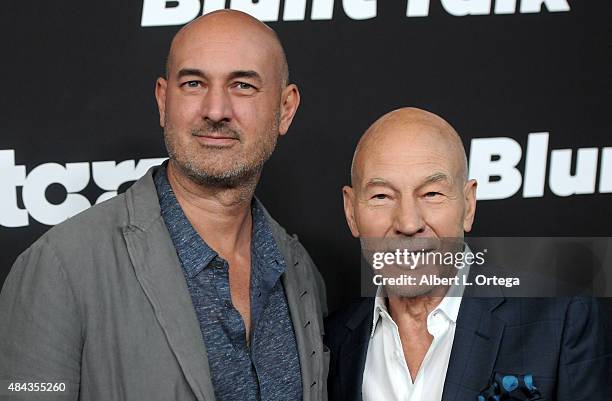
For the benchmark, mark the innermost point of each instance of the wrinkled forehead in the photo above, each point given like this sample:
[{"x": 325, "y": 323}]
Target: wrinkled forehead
[{"x": 408, "y": 153}]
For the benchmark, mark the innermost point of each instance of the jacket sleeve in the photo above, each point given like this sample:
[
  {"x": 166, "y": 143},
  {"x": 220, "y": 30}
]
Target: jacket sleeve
[
  {"x": 585, "y": 365},
  {"x": 40, "y": 331}
]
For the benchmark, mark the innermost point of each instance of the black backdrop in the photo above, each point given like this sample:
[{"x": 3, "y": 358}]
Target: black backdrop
[{"x": 78, "y": 81}]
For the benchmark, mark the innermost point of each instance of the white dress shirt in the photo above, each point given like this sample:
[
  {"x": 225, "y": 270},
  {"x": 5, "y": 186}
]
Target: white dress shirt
[{"x": 386, "y": 376}]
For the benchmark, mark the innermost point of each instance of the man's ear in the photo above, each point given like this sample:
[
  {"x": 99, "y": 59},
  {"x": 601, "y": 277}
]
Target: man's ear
[
  {"x": 470, "y": 204},
  {"x": 348, "y": 196},
  {"x": 160, "y": 97},
  {"x": 290, "y": 101}
]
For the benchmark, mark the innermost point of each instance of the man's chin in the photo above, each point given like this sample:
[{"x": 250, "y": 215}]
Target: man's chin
[
  {"x": 208, "y": 172},
  {"x": 221, "y": 179},
  {"x": 404, "y": 291},
  {"x": 420, "y": 281}
]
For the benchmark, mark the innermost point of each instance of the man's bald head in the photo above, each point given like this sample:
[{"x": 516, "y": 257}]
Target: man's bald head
[
  {"x": 231, "y": 23},
  {"x": 404, "y": 126}
]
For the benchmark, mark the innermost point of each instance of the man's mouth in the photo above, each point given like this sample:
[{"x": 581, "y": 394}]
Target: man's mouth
[{"x": 216, "y": 140}]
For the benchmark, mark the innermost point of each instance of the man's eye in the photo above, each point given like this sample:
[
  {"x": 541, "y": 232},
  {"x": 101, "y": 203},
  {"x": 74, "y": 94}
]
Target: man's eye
[
  {"x": 192, "y": 84},
  {"x": 380, "y": 196},
  {"x": 244, "y": 86},
  {"x": 432, "y": 194}
]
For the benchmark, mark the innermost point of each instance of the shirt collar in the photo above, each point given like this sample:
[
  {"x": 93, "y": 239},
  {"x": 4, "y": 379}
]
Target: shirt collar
[
  {"x": 263, "y": 244},
  {"x": 380, "y": 307},
  {"x": 194, "y": 253},
  {"x": 449, "y": 305}
]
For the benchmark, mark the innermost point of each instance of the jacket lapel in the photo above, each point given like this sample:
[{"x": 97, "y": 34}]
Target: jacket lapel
[
  {"x": 475, "y": 346},
  {"x": 477, "y": 338},
  {"x": 297, "y": 293},
  {"x": 354, "y": 350},
  {"x": 159, "y": 272},
  {"x": 294, "y": 294}
]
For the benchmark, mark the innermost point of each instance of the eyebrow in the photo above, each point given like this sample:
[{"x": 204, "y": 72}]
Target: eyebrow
[
  {"x": 436, "y": 177},
  {"x": 245, "y": 74},
  {"x": 378, "y": 182},
  {"x": 433, "y": 178},
  {"x": 232, "y": 75},
  {"x": 191, "y": 71}
]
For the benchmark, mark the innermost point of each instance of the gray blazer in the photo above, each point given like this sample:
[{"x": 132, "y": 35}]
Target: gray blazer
[{"x": 100, "y": 303}]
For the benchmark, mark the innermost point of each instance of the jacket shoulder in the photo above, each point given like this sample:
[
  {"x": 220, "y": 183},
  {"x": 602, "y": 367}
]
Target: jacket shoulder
[
  {"x": 76, "y": 242},
  {"x": 348, "y": 318},
  {"x": 100, "y": 227},
  {"x": 89, "y": 225}
]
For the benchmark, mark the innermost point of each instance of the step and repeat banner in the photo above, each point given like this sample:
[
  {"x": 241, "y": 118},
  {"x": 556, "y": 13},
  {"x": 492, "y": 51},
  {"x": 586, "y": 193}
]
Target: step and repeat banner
[{"x": 527, "y": 83}]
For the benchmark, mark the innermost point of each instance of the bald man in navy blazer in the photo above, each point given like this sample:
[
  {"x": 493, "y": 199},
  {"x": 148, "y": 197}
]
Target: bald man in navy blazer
[{"x": 453, "y": 342}]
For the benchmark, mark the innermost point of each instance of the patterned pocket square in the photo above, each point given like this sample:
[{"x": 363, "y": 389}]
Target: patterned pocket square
[{"x": 510, "y": 387}]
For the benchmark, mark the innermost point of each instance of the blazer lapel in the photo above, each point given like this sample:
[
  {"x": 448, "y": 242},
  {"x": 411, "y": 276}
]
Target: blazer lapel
[
  {"x": 306, "y": 317},
  {"x": 159, "y": 272},
  {"x": 477, "y": 338},
  {"x": 295, "y": 294},
  {"x": 354, "y": 350}
]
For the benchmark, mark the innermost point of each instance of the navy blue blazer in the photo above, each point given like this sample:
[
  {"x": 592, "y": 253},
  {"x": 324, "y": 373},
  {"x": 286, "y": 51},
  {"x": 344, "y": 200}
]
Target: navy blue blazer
[{"x": 560, "y": 341}]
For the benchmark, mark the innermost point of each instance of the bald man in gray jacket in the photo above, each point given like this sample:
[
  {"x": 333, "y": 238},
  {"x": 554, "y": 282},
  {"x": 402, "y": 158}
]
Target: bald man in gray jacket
[{"x": 183, "y": 288}]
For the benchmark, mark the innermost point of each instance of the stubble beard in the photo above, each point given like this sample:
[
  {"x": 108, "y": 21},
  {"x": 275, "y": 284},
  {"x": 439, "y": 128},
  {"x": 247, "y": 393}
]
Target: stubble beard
[{"x": 244, "y": 171}]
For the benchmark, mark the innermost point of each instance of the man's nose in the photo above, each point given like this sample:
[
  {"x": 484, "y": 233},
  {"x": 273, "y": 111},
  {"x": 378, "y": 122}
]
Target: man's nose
[
  {"x": 408, "y": 219},
  {"x": 216, "y": 105}
]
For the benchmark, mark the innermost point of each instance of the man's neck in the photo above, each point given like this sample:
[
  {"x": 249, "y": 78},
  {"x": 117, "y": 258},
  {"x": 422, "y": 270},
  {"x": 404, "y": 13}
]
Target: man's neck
[
  {"x": 410, "y": 316},
  {"x": 221, "y": 216},
  {"x": 410, "y": 310}
]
